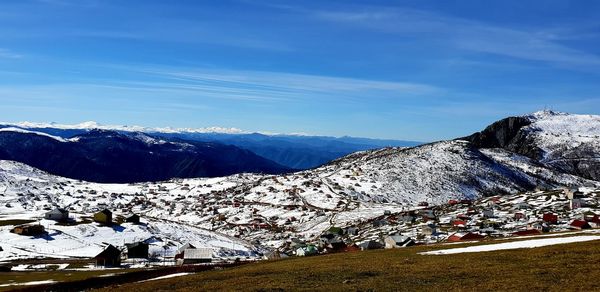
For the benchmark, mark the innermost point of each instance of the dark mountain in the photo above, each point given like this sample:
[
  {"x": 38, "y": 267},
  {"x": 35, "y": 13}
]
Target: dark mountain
[
  {"x": 293, "y": 151},
  {"x": 110, "y": 156},
  {"x": 299, "y": 152}
]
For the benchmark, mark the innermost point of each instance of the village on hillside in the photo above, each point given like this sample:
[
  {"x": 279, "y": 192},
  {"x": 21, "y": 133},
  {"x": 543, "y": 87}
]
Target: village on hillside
[
  {"x": 526, "y": 214},
  {"x": 385, "y": 226}
]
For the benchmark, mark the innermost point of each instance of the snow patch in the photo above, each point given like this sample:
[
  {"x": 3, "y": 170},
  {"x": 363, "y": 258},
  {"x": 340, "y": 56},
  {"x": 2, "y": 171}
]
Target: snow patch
[
  {"x": 514, "y": 245},
  {"x": 19, "y": 130}
]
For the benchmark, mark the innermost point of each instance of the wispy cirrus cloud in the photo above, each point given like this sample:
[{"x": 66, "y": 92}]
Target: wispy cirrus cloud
[
  {"x": 44, "y": 19},
  {"x": 470, "y": 35},
  {"x": 279, "y": 87},
  {"x": 8, "y": 54},
  {"x": 185, "y": 90}
]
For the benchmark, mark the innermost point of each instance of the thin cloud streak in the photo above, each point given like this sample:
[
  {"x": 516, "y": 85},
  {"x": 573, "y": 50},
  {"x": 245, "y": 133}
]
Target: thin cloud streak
[
  {"x": 465, "y": 34},
  {"x": 8, "y": 54},
  {"x": 288, "y": 86}
]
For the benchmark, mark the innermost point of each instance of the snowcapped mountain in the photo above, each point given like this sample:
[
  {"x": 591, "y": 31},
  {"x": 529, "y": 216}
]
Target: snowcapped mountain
[
  {"x": 111, "y": 156},
  {"x": 91, "y": 125},
  {"x": 292, "y": 151},
  {"x": 565, "y": 142}
]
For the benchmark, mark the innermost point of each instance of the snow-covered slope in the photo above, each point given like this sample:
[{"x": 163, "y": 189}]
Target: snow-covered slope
[
  {"x": 439, "y": 171},
  {"x": 27, "y": 193},
  {"x": 270, "y": 210},
  {"x": 568, "y": 142},
  {"x": 565, "y": 142}
]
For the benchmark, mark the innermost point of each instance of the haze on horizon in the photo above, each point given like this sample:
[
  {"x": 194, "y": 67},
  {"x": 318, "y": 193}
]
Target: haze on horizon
[{"x": 410, "y": 70}]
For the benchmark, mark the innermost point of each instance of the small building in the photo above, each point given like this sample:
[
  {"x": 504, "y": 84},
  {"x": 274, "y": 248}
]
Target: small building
[
  {"x": 336, "y": 230},
  {"x": 523, "y": 206},
  {"x": 495, "y": 200},
  {"x": 109, "y": 257},
  {"x": 103, "y": 217},
  {"x": 135, "y": 219},
  {"x": 459, "y": 224},
  {"x": 488, "y": 213},
  {"x": 58, "y": 214},
  {"x": 595, "y": 219},
  {"x": 575, "y": 203},
  {"x": 465, "y": 236},
  {"x": 408, "y": 219},
  {"x": 370, "y": 244},
  {"x": 29, "y": 230},
  {"x": 543, "y": 227},
  {"x": 181, "y": 250},
  {"x": 296, "y": 242},
  {"x": 306, "y": 251},
  {"x": 351, "y": 230},
  {"x": 274, "y": 255},
  {"x": 137, "y": 250},
  {"x": 519, "y": 216},
  {"x": 379, "y": 223},
  {"x": 429, "y": 229},
  {"x": 196, "y": 256},
  {"x": 550, "y": 218},
  {"x": 466, "y": 202},
  {"x": 335, "y": 245},
  {"x": 427, "y": 214},
  {"x": 580, "y": 224},
  {"x": 397, "y": 241},
  {"x": 465, "y": 217},
  {"x": 527, "y": 232},
  {"x": 589, "y": 216}
]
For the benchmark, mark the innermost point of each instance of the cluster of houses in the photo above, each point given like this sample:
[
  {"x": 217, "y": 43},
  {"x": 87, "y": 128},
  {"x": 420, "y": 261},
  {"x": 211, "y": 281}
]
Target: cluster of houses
[
  {"x": 526, "y": 214},
  {"x": 113, "y": 256},
  {"x": 104, "y": 217}
]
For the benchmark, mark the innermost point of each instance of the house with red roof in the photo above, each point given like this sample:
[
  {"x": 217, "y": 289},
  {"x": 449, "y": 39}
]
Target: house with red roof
[
  {"x": 465, "y": 236},
  {"x": 527, "y": 232},
  {"x": 580, "y": 224},
  {"x": 459, "y": 223},
  {"x": 550, "y": 218}
]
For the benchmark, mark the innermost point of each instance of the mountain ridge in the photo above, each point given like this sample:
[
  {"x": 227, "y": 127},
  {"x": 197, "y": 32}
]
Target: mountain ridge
[
  {"x": 110, "y": 156},
  {"x": 292, "y": 151}
]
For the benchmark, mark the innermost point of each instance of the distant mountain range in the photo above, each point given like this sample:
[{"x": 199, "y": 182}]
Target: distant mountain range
[
  {"x": 291, "y": 151},
  {"x": 111, "y": 156},
  {"x": 544, "y": 149}
]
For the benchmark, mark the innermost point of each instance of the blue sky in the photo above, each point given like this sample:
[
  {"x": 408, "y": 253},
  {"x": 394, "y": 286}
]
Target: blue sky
[{"x": 416, "y": 70}]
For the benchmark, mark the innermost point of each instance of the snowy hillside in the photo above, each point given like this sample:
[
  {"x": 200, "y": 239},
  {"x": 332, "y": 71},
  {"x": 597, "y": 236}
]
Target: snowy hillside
[
  {"x": 242, "y": 214},
  {"x": 440, "y": 171},
  {"x": 565, "y": 142},
  {"x": 27, "y": 193},
  {"x": 569, "y": 142}
]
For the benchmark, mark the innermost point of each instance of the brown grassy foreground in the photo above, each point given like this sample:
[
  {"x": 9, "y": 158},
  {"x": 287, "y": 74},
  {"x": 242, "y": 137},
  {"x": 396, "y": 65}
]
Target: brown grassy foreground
[
  {"x": 61, "y": 276},
  {"x": 568, "y": 267}
]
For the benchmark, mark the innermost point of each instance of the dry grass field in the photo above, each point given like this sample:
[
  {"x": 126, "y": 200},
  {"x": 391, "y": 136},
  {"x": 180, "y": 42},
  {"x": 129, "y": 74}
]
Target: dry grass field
[{"x": 568, "y": 267}]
